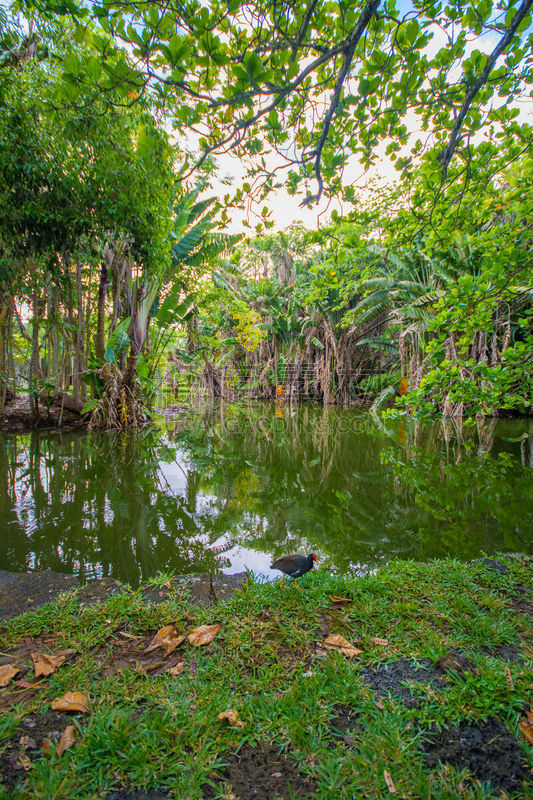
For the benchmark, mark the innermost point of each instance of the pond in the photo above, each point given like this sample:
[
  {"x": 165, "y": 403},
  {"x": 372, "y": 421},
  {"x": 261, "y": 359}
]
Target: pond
[{"x": 228, "y": 487}]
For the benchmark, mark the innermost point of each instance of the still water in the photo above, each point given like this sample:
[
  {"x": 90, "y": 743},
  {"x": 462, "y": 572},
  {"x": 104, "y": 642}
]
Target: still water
[{"x": 229, "y": 487}]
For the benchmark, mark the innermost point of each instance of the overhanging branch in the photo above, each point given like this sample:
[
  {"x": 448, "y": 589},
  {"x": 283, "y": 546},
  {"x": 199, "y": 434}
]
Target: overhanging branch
[
  {"x": 445, "y": 156},
  {"x": 349, "y": 51}
]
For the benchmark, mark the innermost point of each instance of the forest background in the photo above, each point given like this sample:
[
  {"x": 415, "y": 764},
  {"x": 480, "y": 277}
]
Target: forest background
[{"x": 121, "y": 281}]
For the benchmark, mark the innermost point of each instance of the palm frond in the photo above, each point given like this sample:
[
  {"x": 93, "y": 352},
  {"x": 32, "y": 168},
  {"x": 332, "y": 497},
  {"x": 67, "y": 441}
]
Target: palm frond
[{"x": 383, "y": 397}]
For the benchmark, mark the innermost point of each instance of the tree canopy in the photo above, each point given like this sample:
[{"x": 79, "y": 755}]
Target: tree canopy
[{"x": 307, "y": 86}]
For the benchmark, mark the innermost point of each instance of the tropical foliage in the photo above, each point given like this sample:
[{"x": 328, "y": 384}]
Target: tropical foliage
[{"x": 116, "y": 276}]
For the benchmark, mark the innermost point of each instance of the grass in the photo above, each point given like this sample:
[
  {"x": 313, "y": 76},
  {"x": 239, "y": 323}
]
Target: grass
[{"x": 148, "y": 730}]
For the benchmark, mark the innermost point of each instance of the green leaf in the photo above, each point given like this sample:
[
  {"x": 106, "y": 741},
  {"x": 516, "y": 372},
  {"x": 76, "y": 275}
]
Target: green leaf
[{"x": 90, "y": 405}]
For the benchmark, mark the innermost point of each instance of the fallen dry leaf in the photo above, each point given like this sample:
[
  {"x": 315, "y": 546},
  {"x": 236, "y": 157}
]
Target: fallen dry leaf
[
  {"x": 526, "y": 726},
  {"x": 341, "y": 601},
  {"x": 25, "y": 685},
  {"x": 379, "y": 705},
  {"x": 337, "y": 642},
  {"x": 167, "y": 638},
  {"x": 232, "y": 717},
  {"x": 383, "y": 642},
  {"x": 508, "y": 677},
  {"x": 44, "y": 664},
  {"x": 177, "y": 669},
  {"x": 203, "y": 635},
  {"x": 132, "y": 636},
  {"x": 72, "y": 701},
  {"x": 390, "y": 783},
  {"x": 27, "y": 741},
  {"x": 152, "y": 667},
  {"x": 68, "y": 737},
  {"x": 7, "y": 672}
]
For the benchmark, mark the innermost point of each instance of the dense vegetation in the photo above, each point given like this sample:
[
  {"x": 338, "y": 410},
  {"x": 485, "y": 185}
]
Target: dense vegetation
[{"x": 115, "y": 272}]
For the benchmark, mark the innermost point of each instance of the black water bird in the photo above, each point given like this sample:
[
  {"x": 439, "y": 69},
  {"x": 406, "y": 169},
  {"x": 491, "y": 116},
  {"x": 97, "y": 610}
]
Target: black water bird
[{"x": 295, "y": 565}]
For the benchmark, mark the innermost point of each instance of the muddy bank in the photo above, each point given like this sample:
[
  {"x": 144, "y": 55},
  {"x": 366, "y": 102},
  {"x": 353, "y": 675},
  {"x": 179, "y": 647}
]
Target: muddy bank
[
  {"x": 20, "y": 592},
  {"x": 59, "y": 411}
]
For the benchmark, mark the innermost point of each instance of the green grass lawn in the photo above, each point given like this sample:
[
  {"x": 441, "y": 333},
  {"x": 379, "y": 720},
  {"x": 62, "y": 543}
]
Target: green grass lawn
[{"x": 337, "y": 728}]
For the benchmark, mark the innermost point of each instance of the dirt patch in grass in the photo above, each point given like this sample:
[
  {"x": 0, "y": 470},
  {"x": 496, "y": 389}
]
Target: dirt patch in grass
[
  {"x": 522, "y": 606},
  {"x": 26, "y": 685},
  {"x": 120, "y": 653},
  {"x": 262, "y": 773},
  {"x": 152, "y": 794},
  {"x": 453, "y": 661},
  {"x": 506, "y": 652},
  {"x": 345, "y": 725},
  {"x": 201, "y": 589},
  {"x": 25, "y": 745},
  {"x": 489, "y": 753},
  {"x": 391, "y": 678}
]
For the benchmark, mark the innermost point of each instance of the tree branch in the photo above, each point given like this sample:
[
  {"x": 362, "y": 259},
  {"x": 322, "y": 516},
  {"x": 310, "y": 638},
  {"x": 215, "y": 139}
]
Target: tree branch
[
  {"x": 445, "y": 156},
  {"x": 349, "y": 51}
]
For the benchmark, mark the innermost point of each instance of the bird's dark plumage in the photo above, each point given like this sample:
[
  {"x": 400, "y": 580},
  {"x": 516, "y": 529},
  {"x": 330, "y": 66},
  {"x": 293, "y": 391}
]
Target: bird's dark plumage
[{"x": 295, "y": 565}]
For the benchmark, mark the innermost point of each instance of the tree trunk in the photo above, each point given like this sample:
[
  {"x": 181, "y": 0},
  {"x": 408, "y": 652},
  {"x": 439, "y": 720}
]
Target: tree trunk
[
  {"x": 81, "y": 367},
  {"x": 102, "y": 293},
  {"x": 35, "y": 361},
  {"x": 4, "y": 344},
  {"x": 131, "y": 366}
]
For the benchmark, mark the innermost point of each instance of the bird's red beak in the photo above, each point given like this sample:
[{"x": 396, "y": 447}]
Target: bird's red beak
[{"x": 315, "y": 558}]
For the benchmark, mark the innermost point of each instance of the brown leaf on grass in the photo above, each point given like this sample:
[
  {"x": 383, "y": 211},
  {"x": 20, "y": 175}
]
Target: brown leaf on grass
[
  {"x": 526, "y": 726},
  {"x": 177, "y": 669},
  {"x": 233, "y": 718},
  {"x": 203, "y": 635},
  {"x": 167, "y": 638},
  {"x": 132, "y": 636},
  {"x": 508, "y": 677},
  {"x": 341, "y": 601},
  {"x": 72, "y": 701},
  {"x": 337, "y": 642},
  {"x": 45, "y": 664},
  {"x": 379, "y": 705},
  {"x": 383, "y": 642},
  {"x": 28, "y": 741},
  {"x": 68, "y": 737},
  {"x": 391, "y": 786},
  {"x": 7, "y": 672},
  {"x": 22, "y": 684},
  {"x": 152, "y": 667}
]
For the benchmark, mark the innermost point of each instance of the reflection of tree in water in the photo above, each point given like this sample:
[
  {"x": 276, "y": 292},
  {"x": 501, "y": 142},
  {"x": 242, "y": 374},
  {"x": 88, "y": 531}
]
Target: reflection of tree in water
[
  {"x": 94, "y": 504},
  {"x": 351, "y": 486},
  {"x": 357, "y": 488}
]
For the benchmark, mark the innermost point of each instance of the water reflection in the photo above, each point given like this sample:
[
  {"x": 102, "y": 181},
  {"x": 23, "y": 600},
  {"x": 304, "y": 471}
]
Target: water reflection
[{"x": 234, "y": 485}]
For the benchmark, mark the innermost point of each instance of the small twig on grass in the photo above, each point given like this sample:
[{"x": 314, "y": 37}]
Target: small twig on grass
[{"x": 341, "y": 621}]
